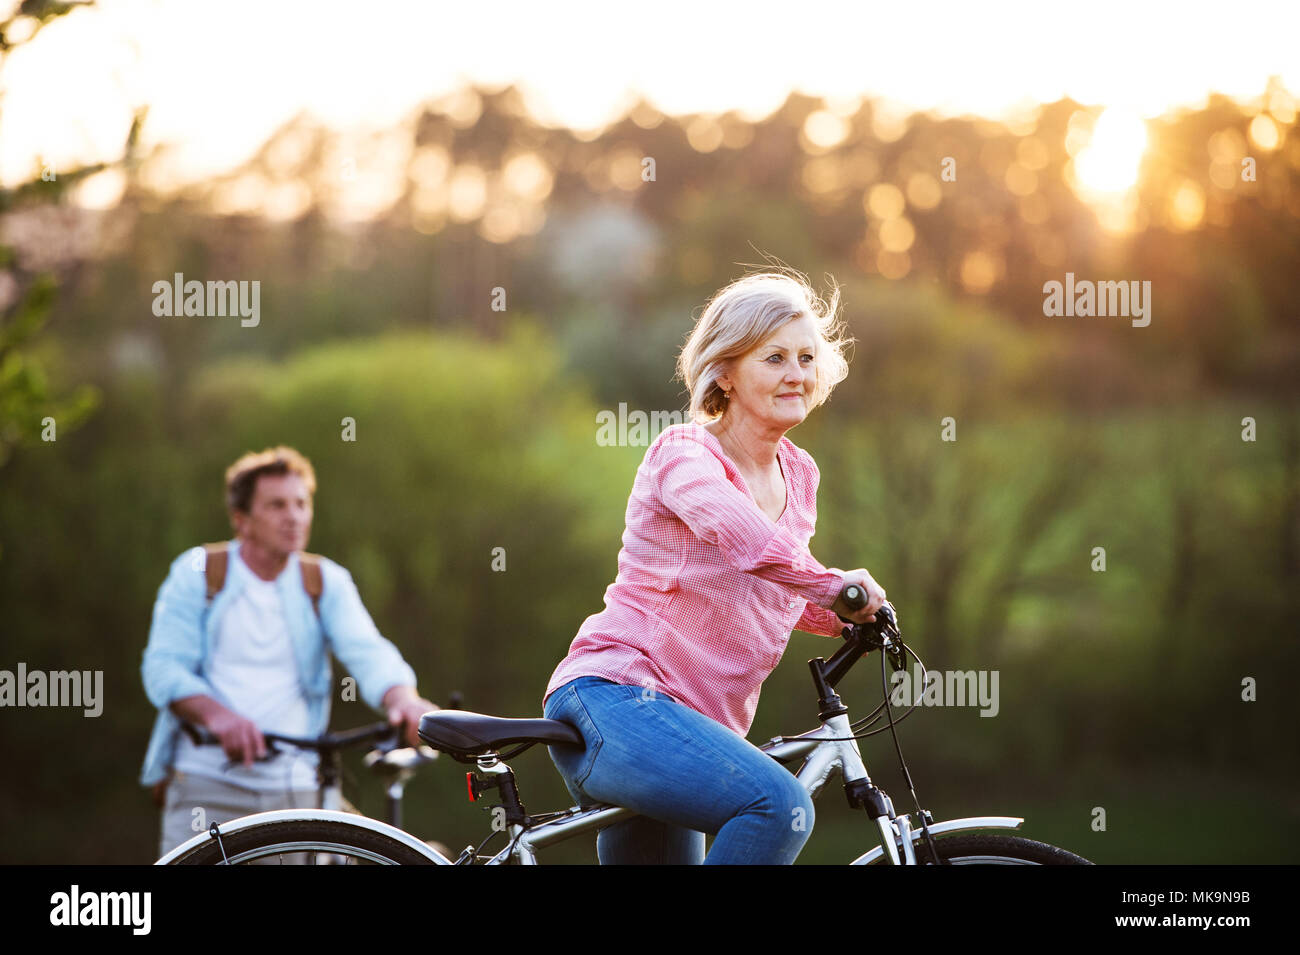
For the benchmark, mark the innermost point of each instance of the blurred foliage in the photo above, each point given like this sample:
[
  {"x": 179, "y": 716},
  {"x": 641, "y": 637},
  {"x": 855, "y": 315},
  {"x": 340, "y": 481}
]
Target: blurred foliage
[
  {"x": 28, "y": 412},
  {"x": 475, "y": 429}
]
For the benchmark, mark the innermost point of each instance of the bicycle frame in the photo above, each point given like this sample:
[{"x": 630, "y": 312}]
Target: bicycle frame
[
  {"x": 824, "y": 757},
  {"x": 825, "y": 752}
]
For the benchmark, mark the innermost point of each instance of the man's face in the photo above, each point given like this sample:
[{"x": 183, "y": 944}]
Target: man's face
[{"x": 279, "y": 517}]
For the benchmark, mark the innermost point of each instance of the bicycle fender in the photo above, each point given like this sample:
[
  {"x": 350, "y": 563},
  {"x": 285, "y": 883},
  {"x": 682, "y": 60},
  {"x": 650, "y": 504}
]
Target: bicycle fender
[{"x": 949, "y": 825}]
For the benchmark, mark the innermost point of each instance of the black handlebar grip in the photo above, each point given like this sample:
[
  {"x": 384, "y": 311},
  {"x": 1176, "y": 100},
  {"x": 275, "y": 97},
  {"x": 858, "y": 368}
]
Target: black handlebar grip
[
  {"x": 854, "y": 596},
  {"x": 201, "y": 735}
]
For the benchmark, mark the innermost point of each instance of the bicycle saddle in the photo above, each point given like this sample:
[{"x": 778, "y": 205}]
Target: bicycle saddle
[{"x": 461, "y": 733}]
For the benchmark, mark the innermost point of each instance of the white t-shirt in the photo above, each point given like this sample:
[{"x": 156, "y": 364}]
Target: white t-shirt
[{"x": 252, "y": 668}]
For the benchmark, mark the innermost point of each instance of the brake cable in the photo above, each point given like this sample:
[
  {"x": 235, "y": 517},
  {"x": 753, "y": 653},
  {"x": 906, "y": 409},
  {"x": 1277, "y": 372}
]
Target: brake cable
[
  {"x": 892, "y": 723},
  {"x": 902, "y": 763},
  {"x": 872, "y": 717},
  {"x": 867, "y": 720}
]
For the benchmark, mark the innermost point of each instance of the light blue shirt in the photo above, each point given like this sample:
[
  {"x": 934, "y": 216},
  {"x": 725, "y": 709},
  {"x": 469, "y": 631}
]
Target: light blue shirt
[{"x": 179, "y": 645}]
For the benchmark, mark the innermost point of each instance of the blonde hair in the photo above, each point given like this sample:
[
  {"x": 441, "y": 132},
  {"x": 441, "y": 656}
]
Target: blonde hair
[{"x": 743, "y": 315}]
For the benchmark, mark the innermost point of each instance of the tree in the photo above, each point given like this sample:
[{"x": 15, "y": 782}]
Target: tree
[{"x": 29, "y": 411}]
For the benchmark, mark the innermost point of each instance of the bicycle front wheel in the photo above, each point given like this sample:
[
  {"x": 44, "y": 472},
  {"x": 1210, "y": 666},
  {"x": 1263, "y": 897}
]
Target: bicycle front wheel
[
  {"x": 993, "y": 849},
  {"x": 302, "y": 842}
]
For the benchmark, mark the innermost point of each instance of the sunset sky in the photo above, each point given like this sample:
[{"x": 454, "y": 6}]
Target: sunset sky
[{"x": 219, "y": 77}]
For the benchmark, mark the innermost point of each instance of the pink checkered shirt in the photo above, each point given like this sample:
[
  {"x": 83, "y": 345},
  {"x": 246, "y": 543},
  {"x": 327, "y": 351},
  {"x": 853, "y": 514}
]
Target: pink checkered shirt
[{"x": 708, "y": 587}]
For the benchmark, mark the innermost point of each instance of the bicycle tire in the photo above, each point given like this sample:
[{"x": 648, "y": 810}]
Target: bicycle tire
[
  {"x": 992, "y": 849},
  {"x": 275, "y": 840}
]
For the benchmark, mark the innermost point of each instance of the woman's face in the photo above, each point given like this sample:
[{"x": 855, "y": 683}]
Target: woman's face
[{"x": 776, "y": 380}]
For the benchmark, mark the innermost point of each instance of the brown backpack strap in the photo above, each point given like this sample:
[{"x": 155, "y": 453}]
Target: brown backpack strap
[
  {"x": 158, "y": 791},
  {"x": 215, "y": 568},
  {"x": 312, "y": 581},
  {"x": 218, "y": 556}
]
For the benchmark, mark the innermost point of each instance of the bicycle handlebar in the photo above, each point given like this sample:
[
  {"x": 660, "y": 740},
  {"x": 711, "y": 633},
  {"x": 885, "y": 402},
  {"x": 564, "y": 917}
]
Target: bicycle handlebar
[
  {"x": 373, "y": 732},
  {"x": 855, "y": 598},
  {"x": 862, "y": 638},
  {"x": 384, "y": 734},
  {"x": 886, "y": 622}
]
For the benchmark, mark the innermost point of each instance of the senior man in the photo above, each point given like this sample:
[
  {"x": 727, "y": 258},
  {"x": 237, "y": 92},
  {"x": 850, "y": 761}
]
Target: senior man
[{"x": 240, "y": 644}]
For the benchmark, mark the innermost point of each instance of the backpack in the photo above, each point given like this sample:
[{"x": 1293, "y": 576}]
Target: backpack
[
  {"x": 309, "y": 564},
  {"x": 218, "y": 557}
]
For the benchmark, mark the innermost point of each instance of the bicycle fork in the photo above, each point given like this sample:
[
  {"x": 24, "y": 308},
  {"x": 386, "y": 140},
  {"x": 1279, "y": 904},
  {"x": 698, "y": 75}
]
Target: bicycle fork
[
  {"x": 863, "y": 794},
  {"x": 898, "y": 837},
  {"x": 858, "y": 787}
]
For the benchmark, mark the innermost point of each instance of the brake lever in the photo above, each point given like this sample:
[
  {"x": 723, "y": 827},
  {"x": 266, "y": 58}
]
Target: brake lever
[
  {"x": 393, "y": 740},
  {"x": 892, "y": 637},
  {"x": 271, "y": 753},
  {"x": 204, "y": 737},
  {"x": 883, "y": 634}
]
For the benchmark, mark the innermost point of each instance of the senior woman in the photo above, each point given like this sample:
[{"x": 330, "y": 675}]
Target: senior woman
[{"x": 713, "y": 575}]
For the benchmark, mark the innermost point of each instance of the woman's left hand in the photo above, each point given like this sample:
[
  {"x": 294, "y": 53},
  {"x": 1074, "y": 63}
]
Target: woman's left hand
[{"x": 875, "y": 597}]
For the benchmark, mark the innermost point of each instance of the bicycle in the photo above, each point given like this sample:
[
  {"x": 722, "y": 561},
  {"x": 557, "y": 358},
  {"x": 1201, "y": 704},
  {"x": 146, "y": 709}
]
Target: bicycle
[
  {"x": 477, "y": 739},
  {"x": 392, "y": 762}
]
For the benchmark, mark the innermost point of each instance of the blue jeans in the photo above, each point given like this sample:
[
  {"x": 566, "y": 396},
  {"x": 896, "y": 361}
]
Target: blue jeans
[{"x": 685, "y": 773}]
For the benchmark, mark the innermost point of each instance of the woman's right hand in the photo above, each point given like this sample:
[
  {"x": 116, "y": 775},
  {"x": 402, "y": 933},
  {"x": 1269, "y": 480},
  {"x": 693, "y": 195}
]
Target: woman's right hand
[{"x": 875, "y": 597}]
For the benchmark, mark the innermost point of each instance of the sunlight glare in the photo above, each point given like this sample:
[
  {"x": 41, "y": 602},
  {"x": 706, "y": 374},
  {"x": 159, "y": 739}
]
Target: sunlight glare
[
  {"x": 1109, "y": 163},
  {"x": 1104, "y": 171}
]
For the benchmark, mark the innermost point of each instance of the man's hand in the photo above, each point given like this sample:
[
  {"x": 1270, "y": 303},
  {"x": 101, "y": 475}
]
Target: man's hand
[
  {"x": 240, "y": 738},
  {"x": 875, "y": 597},
  {"x": 405, "y": 707}
]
